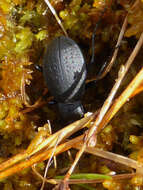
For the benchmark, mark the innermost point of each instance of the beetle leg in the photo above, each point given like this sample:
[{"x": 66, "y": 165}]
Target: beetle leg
[
  {"x": 103, "y": 71},
  {"x": 93, "y": 46},
  {"x": 93, "y": 39},
  {"x": 105, "y": 67}
]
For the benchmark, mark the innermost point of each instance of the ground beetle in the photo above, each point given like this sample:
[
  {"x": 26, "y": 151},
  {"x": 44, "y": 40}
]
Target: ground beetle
[{"x": 64, "y": 72}]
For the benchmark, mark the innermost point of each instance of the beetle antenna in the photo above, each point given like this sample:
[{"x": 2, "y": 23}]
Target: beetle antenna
[
  {"x": 93, "y": 37},
  {"x": 56, "y": 16},
  {"x": 93, "y": 44}
]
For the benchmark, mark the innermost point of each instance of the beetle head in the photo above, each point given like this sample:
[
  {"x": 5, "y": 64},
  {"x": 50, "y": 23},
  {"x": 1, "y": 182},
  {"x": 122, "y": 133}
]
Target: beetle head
[{"x": 71, "y": 111}]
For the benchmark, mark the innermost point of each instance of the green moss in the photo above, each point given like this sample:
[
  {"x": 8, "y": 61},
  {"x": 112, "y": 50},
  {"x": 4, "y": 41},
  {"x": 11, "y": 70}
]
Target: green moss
[
  {"x": 2, "y": 124},
  {"x": 3, "y": 110},
  {"x": 8, "y": 186},
  {"x": 28, "y": 16},
  {"x": 24, "y": 40},
  {"x": 6, "y": 5},
  {"x": 41, "y": 35}
]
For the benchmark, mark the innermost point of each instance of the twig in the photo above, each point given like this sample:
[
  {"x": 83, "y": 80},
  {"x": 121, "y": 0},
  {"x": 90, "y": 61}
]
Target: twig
[{"x": 56, "y": 16}]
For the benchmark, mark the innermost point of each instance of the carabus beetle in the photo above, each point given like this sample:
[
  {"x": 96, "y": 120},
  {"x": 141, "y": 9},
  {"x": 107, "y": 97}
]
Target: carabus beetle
[{"x": 64, "y": 71}]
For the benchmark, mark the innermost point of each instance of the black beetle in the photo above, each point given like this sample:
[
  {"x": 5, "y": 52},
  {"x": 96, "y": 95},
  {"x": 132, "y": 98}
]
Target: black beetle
[{"x": 65, "y": 72}]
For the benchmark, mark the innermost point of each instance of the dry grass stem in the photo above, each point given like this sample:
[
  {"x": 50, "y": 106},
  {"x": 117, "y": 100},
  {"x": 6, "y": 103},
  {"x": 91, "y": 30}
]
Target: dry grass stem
[
  {"x": 23, "y": 93},
  {"x": 96, "y": 128},
  {"x": 50, "y": 141},
  {"x": 129, "y": 90},
  {"x": 49, "y": 161},
  {"x": 110, "y": 156},
  {"x": 137, "y": 91},
  {"x": 51, "y": 181},
  {"x": 24, "y": 96},
  {"x": 56, "y": 16},
  {"x": 84, "y": 181},
  {"x": 64, "y": 133},
  {"x": 37, "y": 104},
  {"x": 121, "y": 100},
  {"x": 41, "y": 156}
]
